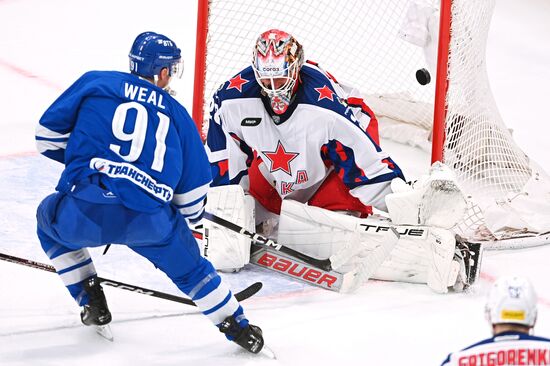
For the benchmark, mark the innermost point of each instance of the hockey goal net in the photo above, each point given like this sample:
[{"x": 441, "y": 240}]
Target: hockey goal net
[{"x": 378, "y": 46}]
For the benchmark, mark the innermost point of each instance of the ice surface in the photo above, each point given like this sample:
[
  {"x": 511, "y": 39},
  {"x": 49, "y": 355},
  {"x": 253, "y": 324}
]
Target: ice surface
[{"x": 45, "y": 45}]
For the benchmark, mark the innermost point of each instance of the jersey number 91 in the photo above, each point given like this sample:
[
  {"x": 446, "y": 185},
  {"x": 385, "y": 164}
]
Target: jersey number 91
[{"x": 137, "y": 136}]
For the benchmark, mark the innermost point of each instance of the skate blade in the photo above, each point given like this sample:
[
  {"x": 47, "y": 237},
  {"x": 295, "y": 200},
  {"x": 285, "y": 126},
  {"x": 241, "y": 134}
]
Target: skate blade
[
  {"x": 268, "y": 352},
  {"x": 105, "y": 332}
]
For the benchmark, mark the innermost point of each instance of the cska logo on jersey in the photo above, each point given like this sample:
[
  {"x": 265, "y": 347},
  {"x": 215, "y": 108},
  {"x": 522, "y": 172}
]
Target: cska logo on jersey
[
  {"x": 237, "y": 83},
  {"x": 280, "y": 159},
  {"x": 325, "y": 93}
]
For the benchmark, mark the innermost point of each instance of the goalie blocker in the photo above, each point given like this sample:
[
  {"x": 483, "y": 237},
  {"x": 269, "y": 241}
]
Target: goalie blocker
[{"x": 357, "y": 247}]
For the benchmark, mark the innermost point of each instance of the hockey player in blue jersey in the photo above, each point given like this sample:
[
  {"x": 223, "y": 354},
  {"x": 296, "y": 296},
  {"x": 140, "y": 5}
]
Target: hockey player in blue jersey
[
  {"x": 135, "y": 173},
  {"x": 511, "y": 311}
]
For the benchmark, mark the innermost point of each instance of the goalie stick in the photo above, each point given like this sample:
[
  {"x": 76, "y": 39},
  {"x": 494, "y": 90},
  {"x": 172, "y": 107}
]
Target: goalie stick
[
  {"x": 240, "y": 296},
  {"x": 324, "y": 264},
  {"x": 274, "y": 256},
  {"x": 268, "y": 254},
  {"x": 285, "y": 264}
]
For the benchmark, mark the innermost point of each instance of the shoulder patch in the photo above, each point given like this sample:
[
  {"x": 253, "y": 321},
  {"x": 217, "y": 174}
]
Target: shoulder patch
[{"x": 251, "y": 121}]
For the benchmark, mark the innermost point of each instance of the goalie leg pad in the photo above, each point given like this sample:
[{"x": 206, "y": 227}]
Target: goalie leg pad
[
  {"x": 433, "y": 257},
  {"x": 442, "y": 269},
  {"x": 324, "y": 234},
  {"x": 406, "y": 263},
  {"x": 368, "y": 248},
  {"x": 228, "y": 251},
  {"x": 367, "y": 262},
  {"x": 421, "y": 255},
  {"x": 314, "y": 231}
]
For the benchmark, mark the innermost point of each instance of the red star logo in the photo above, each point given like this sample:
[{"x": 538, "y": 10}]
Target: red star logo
[
  {"x": 325, "y": 92},
  {"x": 237, "y": 82},
  {"x": 280, "y": 159}
]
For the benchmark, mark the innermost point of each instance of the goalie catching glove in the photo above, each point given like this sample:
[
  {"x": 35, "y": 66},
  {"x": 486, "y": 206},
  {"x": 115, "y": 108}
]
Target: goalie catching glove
[{"x": 434, "y": 200}]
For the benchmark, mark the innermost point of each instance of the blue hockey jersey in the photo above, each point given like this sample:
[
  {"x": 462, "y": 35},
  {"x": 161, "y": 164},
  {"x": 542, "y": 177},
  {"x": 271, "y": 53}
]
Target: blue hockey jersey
[{"x": 141, "y": 141}]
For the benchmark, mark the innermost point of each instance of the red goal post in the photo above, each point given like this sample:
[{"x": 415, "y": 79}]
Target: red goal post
[{"x": 378, "y": 46}]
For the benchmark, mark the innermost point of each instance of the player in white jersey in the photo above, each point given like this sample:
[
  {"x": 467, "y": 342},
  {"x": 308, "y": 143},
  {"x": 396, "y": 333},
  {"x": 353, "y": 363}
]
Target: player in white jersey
[
  {"x": 296, "y": 130},
  {"x": 511, "y": 311},
  {"x": 286, "y": 130}
]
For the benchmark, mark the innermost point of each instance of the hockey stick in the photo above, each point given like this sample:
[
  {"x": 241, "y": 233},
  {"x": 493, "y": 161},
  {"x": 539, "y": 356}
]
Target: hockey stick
[
  {"x": 240, "y": 296},
  {"x": 324, "y": 264}
]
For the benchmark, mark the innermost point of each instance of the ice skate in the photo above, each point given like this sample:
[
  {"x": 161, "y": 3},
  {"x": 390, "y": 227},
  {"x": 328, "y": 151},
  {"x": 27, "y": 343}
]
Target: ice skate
[
  {"x": 249, "y": 337},
  {"x": 96, "y": 312}
]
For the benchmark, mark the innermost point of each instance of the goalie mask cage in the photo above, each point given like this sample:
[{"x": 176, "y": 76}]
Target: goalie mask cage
[{"x": 361, "y": 42}]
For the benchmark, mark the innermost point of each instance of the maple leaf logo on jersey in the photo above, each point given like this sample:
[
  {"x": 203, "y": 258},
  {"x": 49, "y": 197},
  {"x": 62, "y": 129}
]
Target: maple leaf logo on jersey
[
  {"x": 325, "y": 93},
  {"x": 237, "y": 82},
  {"x": 280, "y": 159}
]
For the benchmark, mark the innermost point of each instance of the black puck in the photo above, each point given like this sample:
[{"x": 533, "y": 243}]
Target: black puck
[{"x": 423, "y": 76}]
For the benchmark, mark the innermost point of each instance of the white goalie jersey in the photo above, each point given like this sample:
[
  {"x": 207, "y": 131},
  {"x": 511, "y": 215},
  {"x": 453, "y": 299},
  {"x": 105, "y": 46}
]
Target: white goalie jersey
[{"x": 319, "y": 132}]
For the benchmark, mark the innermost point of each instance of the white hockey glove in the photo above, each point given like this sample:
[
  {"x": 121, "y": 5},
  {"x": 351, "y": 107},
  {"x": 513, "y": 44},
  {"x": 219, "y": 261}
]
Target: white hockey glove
[
  {"x": 228, "y": 251},
  {"x": 434, "y": 200}
]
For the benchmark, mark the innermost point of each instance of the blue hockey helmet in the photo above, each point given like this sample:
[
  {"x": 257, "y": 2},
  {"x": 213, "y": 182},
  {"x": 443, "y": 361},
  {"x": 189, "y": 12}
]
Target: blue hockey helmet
[{"x": 151, "y": 52}]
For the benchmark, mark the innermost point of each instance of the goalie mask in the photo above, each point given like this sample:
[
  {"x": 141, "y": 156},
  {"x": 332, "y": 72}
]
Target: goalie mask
[
  {"x": 276, "y": 61},
  {"x": 151, "y": 52},
  {"x": 512, "y": 300}
]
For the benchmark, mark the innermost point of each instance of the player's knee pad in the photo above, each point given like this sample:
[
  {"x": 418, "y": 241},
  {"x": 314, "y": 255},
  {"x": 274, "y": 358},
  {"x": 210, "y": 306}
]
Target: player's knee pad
[{"x": 227, "y": 250}]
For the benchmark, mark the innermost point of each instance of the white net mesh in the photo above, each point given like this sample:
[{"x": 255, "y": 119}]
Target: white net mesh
[
  {"x": 358, "y": 42},
  {"x": 478, "y": 146}
]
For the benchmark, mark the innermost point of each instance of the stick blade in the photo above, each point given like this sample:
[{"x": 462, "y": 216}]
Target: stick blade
[{"x": 249, "y": 291}]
